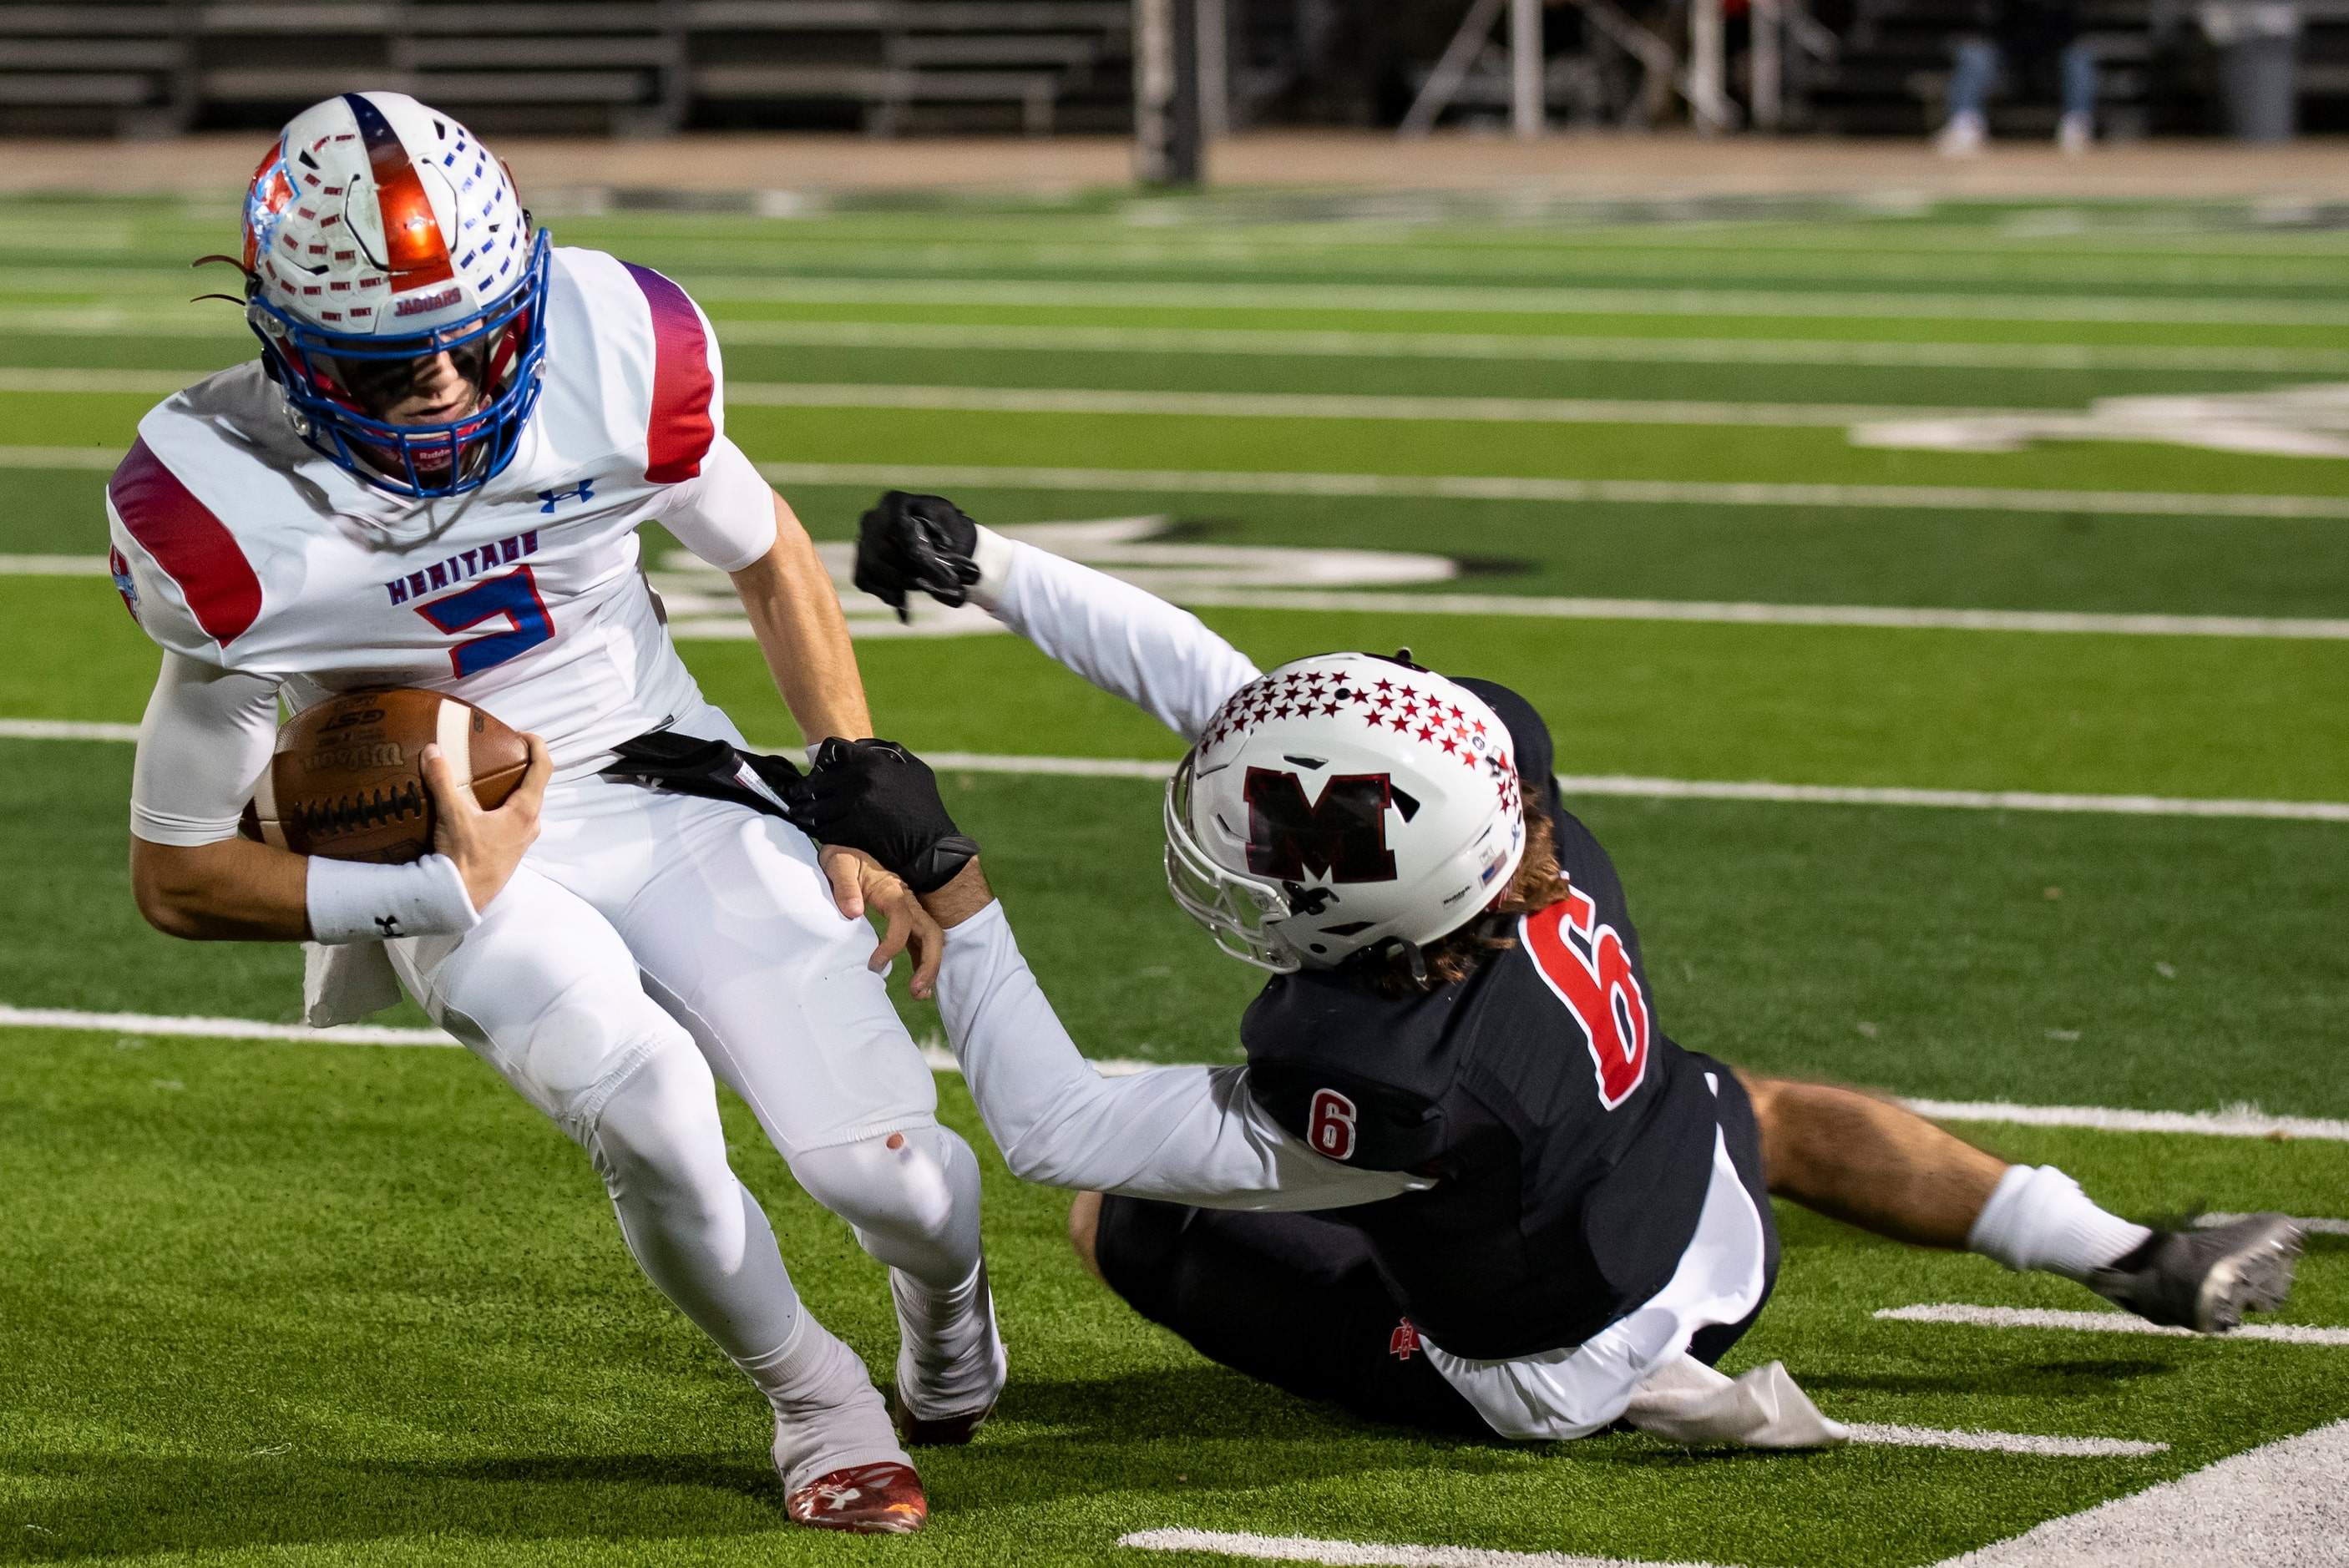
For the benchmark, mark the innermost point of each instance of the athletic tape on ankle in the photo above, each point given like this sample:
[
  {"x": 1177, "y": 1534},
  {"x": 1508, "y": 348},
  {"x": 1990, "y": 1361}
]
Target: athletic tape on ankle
[{"x": 353, "y": 901}]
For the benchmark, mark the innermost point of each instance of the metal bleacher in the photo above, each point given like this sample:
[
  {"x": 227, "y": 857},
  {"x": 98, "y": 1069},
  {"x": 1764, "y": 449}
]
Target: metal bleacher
[{"x": 150, "y": 68}]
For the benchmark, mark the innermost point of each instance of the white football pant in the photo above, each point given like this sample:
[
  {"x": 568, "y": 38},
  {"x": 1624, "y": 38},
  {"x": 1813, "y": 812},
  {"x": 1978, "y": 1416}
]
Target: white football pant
[{"x": 650, "y": 941}]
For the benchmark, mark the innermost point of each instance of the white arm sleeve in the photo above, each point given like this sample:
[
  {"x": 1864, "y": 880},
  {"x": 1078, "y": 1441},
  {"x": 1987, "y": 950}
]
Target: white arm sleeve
[
  {"x": 207, "y": 736},
  {"x": 1130, "y": 644},
  {"x": 725, "y": 514},
  {"x": 1187, "y": 1135}
]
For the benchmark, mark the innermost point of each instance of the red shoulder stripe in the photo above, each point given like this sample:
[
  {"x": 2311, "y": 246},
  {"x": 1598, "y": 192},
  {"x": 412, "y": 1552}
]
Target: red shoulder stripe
[
  {"x": 188, "y": 542},
  {"x": 677, "y": 436}
]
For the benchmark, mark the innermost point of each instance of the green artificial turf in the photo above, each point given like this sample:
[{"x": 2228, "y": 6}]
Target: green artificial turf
[
  {"x": 289, "y": 1303},
  {"x": 276, "y": 1304}
]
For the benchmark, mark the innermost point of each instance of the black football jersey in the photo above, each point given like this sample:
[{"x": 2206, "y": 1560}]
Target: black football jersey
[{"x": 1571, "y": 1139}]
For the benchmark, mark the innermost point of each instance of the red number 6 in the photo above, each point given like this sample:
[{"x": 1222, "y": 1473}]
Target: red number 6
[
  {"x": 1587, "y": 968},
  {"x": 1329, "y": 1129}
]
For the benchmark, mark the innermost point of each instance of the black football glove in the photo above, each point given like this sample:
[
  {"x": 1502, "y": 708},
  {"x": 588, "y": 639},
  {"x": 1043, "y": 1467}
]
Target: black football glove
[
  {"x": 878, "y": 796},
  {"x": 916, "y": 544}
]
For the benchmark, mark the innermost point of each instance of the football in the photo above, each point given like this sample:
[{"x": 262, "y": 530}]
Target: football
[{"x": 347, "y": 781}]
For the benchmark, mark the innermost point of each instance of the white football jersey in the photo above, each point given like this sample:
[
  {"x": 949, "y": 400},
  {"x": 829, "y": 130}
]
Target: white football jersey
[{"x": 238, "y": 546}]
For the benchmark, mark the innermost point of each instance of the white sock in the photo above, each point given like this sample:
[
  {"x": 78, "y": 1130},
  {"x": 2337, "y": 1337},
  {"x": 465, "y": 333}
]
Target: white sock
[
  {"x": 2039, "y": 1218},
  {"x": 828, "y": 1414},
  {"x": 950, "y": 1356}
]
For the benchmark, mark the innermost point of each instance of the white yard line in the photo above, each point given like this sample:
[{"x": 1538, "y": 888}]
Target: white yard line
[
  {"x": 726, "y": 629},
  {"x": 2234, "y": 1122},
  {"x": 1735, "y": 613},
  {"x": 108, "y": 321},
  {"x": 54, "y": 566},
  {"x": 158, "y": 383},
  {"x": 1970, "y": 1316},
  {"x": 2320, "y": 1227},
  {"x": 64, "y": 729},
  {"x": 1504, "y": 300},
  {"x": 1598, "y": 784},
  {"x": 2033, "y": 1443},
  {"x": 1959, "y": 799},
  {"x": 1505, "y": 345},
  {"x": 2223, "y": 1124},
  {"x": 102, "y": 459},
  {"x": 1364, "y": 1553},
  {"x": 1461, "y": 486},
  {"x": 215, "y": 1028},
  {"x": 1330, "y": 406},
  {"x": 2281, "y": 1505},
  {"x": 1475, "y": 487}
]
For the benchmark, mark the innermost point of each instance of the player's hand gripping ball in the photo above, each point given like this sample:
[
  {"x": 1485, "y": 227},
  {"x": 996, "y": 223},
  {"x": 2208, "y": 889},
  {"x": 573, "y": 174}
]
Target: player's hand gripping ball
[{"x": 347, "y": 781}]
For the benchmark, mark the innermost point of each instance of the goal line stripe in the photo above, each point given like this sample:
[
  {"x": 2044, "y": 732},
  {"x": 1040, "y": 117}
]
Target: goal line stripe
[
  {"x": 2236, "y": 1123},
  {"x": 1578, "y": 784}
]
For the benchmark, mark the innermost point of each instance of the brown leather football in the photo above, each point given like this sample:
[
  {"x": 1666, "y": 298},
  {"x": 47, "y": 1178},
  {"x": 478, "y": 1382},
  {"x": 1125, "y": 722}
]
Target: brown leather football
[{"x": 348, "y": 778}]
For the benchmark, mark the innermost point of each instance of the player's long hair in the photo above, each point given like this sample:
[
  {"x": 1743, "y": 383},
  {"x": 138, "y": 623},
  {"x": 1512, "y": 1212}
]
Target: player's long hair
[{"x": 1448, "y": 960}]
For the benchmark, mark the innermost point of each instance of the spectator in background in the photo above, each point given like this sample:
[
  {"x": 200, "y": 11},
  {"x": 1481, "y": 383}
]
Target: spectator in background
[{"x": 2023, "y": 37}]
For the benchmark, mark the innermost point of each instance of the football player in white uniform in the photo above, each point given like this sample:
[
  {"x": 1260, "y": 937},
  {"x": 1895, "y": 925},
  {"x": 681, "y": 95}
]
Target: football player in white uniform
[{"x": 432, "y": 477}]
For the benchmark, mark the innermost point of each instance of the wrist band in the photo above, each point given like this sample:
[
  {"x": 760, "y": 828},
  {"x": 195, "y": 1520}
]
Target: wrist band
[
  {"x": 993, "y": 555},
  {"x": 351, "y": 900}
]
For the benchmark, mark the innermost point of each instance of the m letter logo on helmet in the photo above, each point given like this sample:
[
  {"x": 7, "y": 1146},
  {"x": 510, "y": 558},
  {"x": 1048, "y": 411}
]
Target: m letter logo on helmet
[
  {"x": 1587, "y": 968},
  {"x": 1342, "y": 836}
]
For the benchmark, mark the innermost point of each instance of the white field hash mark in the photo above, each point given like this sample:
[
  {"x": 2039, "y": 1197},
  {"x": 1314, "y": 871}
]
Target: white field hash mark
[{"x": 2103, "y": 1322}]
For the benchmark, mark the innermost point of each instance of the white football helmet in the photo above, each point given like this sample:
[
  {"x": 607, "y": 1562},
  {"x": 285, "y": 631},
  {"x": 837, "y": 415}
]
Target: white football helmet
[
  {"x": 1339, "y": 802},
  {"x": 379, "y": 232}
]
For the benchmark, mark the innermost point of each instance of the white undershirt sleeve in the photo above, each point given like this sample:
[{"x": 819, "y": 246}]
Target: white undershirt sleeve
[
  {"x": 725, "y": 514},
  {"x": 1184, "y": 1134},
  {"x": 1129, "y": 643},
  {"x": 207, "y": 736}
]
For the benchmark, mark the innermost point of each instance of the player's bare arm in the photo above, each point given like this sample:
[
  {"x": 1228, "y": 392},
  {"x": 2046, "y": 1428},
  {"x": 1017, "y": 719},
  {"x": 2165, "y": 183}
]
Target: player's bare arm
[
  {"x": 239, "y": 890},
  {"x": 233, "y": 891},
  {"x": 796, "y": 617}
]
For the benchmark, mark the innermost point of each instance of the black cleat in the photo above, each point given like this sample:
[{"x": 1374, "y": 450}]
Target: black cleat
[{"x": 2206, "y": 1280}]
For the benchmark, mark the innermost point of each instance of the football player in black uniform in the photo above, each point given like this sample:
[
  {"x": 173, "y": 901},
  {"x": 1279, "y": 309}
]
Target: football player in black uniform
[{"x": 1464, "y": 1181}]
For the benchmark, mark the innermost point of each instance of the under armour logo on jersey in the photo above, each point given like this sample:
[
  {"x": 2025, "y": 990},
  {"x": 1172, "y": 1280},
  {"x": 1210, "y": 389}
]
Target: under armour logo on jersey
[
  {"x": 1404, "y": 1341},
  {"x": 583, "y": 491}
]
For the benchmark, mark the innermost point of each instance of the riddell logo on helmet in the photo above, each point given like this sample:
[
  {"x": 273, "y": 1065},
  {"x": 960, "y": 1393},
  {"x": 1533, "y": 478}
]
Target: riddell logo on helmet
[{"x": 418, "y": 306}]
